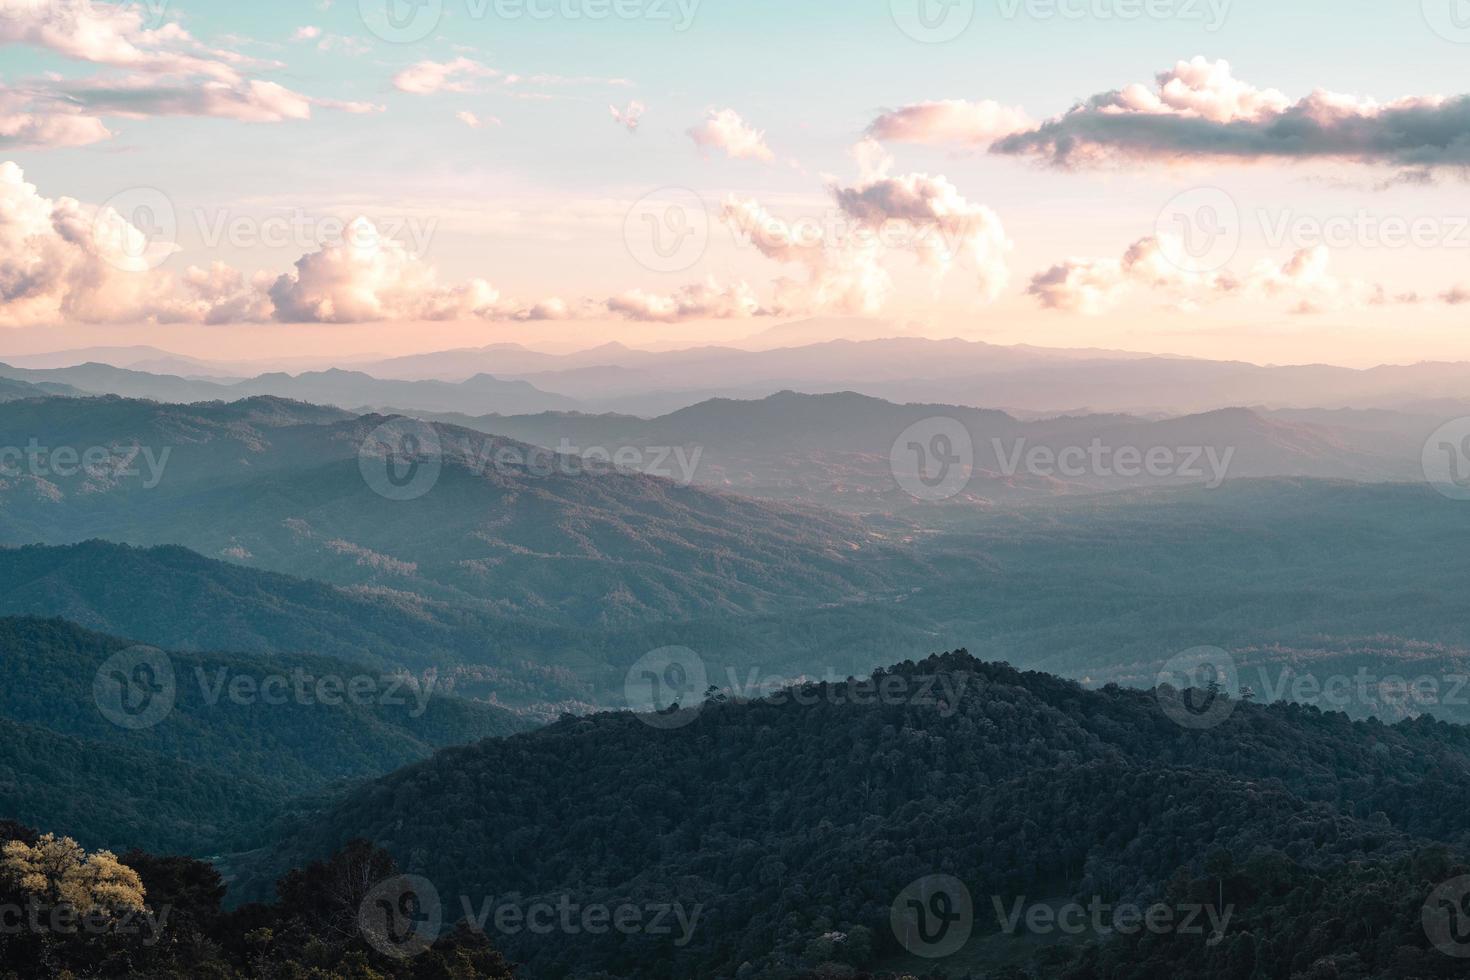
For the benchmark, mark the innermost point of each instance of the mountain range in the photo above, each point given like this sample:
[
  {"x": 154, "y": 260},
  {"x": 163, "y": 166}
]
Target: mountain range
[{"x": 1022, "y": 380}]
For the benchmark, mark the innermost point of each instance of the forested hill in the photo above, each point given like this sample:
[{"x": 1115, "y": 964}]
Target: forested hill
[
  {"x": 802, "y": 816},
  {"x": 124, "y": 746}
]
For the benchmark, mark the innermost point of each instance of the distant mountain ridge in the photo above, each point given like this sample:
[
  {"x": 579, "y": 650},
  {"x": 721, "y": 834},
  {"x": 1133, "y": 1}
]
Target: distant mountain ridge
[
  {"x": 280, "y": 486},
  {"x": 342, "y": 388},
  {"x": 613, "y": 377},
  {"x": 837, "y": 450}
]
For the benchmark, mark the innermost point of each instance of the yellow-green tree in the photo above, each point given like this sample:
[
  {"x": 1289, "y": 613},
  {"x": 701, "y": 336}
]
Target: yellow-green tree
[{"x": 60, "y": 872}]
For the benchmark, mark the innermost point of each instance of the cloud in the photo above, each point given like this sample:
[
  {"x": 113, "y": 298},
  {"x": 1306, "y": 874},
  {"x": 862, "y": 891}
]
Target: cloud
[
  {"x": 27, "y": 125},
  {"x": 429, "y": 77},
  {"x": 630, "y": 117},
  {"x": 252, "y": 100},
  {"x": 943, "y": 225},
  {"x": 706, "y": 300},
  {"x": 368, "y": 277},
  {"x": 114, "y": 35},
  {"x": 307, "y": 33},
  {"x": 952, "y": 121},
  {"x": 475, "y": 122},
  {"x": 162, "y": 71},
  {"x": 725, "y": 130},
  {"x": 61, "y": 261},
  {"x": 841, "y": 277},
  {"x": 1198, "y": 110},
  {"x": 1091, "y": 286}
]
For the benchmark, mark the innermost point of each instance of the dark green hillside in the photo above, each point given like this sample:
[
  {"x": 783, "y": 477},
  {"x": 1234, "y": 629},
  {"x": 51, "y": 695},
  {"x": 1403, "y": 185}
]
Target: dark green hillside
[
  {"x": 216, "y": 762},
  {"x": 784, "y": 821}
]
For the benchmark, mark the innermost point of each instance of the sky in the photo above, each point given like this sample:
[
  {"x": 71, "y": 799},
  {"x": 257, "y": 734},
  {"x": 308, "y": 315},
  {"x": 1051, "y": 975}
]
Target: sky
[{"x": 1236, "y": 179}]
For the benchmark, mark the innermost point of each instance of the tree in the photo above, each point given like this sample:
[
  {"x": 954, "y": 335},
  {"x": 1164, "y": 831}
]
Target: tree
[{"x": 59, "y": 871}]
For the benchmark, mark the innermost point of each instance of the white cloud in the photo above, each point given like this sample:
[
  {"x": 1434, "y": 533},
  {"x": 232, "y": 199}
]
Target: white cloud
[
  {"x": 707, "y": 300},
  {"x": 1095, "y": 286},
  {"x": 429, "y": 77},
  {"x": 475, "y": 122},
  {"x": 942, "y": 225},
  {"x": 725, "y": 130},
  {"x": 1199, "y": 110},
  {"x": 630, "y": 117},
  {"x": 952, "y": 121}
]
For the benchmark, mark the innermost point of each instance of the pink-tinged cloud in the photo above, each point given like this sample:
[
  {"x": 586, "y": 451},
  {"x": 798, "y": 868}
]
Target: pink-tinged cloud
[
  {"x": 840, "y": 277},
  {"x": 250, "y": 100},
  {"x": 49, "y": 125},
  {"x": 165, "y": 71},
  {"x": 1091, "y": 286},
  {"x": 706, "y": 300},
  {"x": 630, "y": 117},
  {"x": 950, "y": 122},
  {"x": 942, "y": 225},
  {"x": 61, "y": 261},
  {"x": 476, "y": 122},
  {"x": 367, "y": 277},
  {"x": 1198, "y": 110},
  {"x": 724, "y": 130},
  {"x": 429, "y": 77},
  {"x": 115, "y": 35}
]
